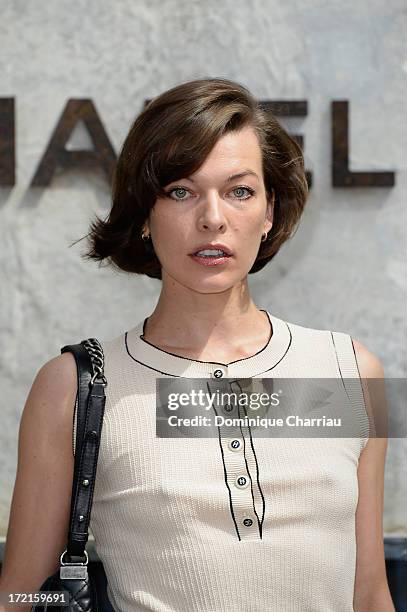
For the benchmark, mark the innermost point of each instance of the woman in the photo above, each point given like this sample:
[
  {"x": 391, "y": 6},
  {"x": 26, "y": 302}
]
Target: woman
[{"x": 208, "y": 187}]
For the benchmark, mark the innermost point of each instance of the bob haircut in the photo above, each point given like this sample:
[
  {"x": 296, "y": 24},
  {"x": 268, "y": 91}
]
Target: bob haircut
[{"x": 170, "y": 139}]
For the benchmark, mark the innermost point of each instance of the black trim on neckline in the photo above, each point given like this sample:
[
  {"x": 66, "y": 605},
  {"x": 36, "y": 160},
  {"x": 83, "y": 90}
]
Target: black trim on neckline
[
  {"x": 266, "y": 359},
  {"x": 212, "y": 362},
  {"x": 145, "y": 364}
]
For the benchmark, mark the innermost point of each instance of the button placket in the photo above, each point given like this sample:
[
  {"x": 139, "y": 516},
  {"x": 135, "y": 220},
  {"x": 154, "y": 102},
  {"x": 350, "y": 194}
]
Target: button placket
[
  {"x": 239, "y": 480},
  {"x": 250, "y": 467}
]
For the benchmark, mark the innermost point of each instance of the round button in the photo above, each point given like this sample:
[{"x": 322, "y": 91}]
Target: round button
[
  {"x": 235, "y": 445},
  {"x": 228, "y": 408},
  {"x": 247, "y": 522},
  {"x": 218, "y": 373},
  {"x": 242, "y": 482}
]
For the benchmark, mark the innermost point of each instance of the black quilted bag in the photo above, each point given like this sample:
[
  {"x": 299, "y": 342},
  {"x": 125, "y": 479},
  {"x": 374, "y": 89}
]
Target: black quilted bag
[{"x": 85, "y": 586}]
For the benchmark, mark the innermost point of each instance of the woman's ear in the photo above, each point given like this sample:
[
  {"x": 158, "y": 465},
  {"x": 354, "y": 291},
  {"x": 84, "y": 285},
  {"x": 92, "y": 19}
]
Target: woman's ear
[{"x": 270, "y": 212}]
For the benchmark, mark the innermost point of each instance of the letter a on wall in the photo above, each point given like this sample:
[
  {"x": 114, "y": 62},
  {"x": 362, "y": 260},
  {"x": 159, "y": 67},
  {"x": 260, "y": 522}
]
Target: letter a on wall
[{"x": 56, "y": 154}]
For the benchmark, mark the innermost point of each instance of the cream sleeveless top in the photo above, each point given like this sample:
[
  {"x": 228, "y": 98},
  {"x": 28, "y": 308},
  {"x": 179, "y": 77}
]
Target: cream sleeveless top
[{"x": 225, "y": 524}]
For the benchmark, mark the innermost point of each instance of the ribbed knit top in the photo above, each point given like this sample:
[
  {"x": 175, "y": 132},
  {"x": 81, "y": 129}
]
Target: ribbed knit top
[{"x": 233, "y": 524}]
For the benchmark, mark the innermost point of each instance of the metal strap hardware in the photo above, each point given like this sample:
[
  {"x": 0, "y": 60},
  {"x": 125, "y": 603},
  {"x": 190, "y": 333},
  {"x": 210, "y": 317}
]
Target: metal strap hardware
[
  {"x": 95, "y": 351},
  {"x": 72, "y": 570}
]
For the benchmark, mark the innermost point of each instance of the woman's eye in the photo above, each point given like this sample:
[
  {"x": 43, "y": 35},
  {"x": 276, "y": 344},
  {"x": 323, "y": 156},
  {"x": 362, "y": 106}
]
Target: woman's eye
[
  {"x": 181, "y": 191},
  {"x": 240, "y": 189}
]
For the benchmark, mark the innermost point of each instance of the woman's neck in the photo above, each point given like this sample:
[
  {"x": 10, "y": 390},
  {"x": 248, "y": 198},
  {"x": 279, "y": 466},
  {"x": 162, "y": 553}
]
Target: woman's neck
[{"x": 236, "y": 336}]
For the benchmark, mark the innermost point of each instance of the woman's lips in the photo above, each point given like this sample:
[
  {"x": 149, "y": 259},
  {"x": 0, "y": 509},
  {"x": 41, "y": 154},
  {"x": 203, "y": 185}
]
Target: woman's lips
[{"x": 217, "y": 260}]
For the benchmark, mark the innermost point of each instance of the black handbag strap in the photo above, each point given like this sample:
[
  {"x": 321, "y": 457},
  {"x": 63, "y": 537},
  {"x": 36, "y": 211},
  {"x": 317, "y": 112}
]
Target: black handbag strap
[{"x": 90, "y": 409}]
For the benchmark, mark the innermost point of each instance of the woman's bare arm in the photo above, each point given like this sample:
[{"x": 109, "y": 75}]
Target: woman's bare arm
[
  {"x": 372, "y": 592},
  {"x": 39, "y": 514}
]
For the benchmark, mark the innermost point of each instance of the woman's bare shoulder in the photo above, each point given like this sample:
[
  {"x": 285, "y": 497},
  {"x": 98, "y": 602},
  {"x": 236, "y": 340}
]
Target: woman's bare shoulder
[{"x": 56, "y": 380}]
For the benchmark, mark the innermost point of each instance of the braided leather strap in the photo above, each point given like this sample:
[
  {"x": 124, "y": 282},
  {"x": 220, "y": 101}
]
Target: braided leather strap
[{"x": 91, "y": 402}]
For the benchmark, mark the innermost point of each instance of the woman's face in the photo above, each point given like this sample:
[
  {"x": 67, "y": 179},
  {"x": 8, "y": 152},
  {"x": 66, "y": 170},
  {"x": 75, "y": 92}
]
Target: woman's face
[{"x": 209, "y": 207}]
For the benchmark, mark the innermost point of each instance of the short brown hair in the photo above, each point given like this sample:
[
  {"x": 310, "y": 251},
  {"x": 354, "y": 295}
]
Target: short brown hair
[{"x": 170, "y": 139}]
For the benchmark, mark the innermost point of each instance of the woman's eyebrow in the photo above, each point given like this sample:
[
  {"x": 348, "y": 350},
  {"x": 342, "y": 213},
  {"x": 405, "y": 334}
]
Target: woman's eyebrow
[
  {"x": 232, "y": 177},
  {"x": 241, "y": 174}
]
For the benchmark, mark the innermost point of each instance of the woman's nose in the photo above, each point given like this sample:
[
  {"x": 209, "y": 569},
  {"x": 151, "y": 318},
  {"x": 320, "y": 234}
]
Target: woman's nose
[{"x": 212, "y": 213}]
